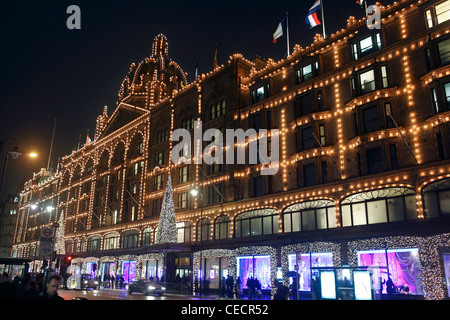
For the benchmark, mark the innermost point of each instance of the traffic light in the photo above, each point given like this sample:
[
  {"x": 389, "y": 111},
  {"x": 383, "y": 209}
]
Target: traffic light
[{"x": 66, "y": 262}]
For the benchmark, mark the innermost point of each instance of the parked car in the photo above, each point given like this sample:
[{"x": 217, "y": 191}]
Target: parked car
[
  {"x": 146, "y": 287},
  {"x": 88, "y": 281}
]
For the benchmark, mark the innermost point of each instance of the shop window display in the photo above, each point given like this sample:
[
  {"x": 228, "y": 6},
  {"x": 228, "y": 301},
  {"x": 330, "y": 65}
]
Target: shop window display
[
  {"x": 446, "y": 257},
  {"x": 128, "y": 271},
  {"x": 254, "y": 266},
  {"x": 403, "y": 266},
  {"x": 307, "y": 261}
]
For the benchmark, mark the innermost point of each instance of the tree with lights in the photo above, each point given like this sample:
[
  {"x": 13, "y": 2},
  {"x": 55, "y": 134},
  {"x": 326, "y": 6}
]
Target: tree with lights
[
  {"x": 167, "y": 222},
  {"x": 60, "y": 247}
]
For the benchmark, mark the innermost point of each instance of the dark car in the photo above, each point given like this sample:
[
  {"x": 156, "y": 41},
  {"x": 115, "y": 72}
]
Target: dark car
[
  {"x": 88, "y": 281},
  {"x": 146, "y": 287}
]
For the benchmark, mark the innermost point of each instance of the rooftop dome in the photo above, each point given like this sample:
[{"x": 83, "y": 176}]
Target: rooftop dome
[{"x": 154, "y": 79}]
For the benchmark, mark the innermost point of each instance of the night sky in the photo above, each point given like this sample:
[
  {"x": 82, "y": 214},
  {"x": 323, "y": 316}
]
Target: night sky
[{"x": 49, "y": 71}]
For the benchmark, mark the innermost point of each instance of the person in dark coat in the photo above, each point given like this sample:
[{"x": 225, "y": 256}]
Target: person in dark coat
[
  {"x": 8, "y": 291},
  {"x": 282, "y": 293},
  {"x": 51, "y": 289}
]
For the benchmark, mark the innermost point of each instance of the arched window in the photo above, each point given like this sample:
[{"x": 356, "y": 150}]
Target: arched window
[
  {"x": 118, "y": 155},
  {"x": 311, "y": 215},
  {"x": 76, "y": 174},
  {"x": 184, "y": 232},
  {"x": 222, "y": 227},
  {"x": 66, "y": 179},
  {"x": 379, "y": 206},
  {"x": 111, "y": 241},
  {"x": 256, "y": 223},
  {"x": 94, "y": 243},
  {"x": 130, "y": 239},
  {"x": 437, "y": 199},
  {"x": 103, "y": 163},
  {"x": 147, "y": 236},
  {"x": 204, "y": 229},
  {"x": 69, "y": 247},
  {"x": 135, "y": 147},
  {"x": 89, "y": 167}
]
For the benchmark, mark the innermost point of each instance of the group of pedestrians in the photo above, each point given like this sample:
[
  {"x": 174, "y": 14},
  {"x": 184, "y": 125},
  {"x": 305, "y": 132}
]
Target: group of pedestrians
[
  {"x": 235, "y": 289},
  {"x": 27, "y": 288},
  {"x": 113, "y": 282},
  {"x": 184, "y": 284}
]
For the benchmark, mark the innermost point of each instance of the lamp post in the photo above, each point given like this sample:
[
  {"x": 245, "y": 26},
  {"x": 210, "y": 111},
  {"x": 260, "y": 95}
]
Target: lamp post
[
  {"x": 15, "y": 154},
  {"x": 194, "y": 192},
  {"x": 43, "y": 210}
]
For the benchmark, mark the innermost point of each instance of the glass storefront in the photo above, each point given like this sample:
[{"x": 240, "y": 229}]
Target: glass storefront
[
  {"x": 108, "y": 270},
  {"x": 213, "y": 272},
  {"x": 403, "y": 266},
  {"x": 446, "y": 258},
  {"x": 128, "y": 271},
  {"x": 307, "y": 261},
  {"x": 150, "y": 269},
  {"x": 257, "y": 267},
  {"x": 91, "y": 267}
]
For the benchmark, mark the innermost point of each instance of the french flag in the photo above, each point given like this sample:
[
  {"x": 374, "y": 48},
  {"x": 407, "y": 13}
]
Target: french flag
[
  {"x": 281, "y": 29},
  {"x": 312, "y": 19}
]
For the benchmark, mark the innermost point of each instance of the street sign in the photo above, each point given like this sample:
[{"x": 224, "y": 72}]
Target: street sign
[
  {"x": 47, "y": 233},
  {"x": 45, "y": 248}
]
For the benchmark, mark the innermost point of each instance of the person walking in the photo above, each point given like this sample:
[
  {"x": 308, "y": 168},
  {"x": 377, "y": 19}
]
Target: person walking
[
  {"x": 51, "y": 289},
  {"x": 238, "y": 289}
]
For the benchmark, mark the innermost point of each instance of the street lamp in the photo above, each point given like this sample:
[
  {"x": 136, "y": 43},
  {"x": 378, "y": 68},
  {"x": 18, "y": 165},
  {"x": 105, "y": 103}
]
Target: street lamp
[
  {"x": 14, "y": 153},
  {"x": 195, "y": 192}
]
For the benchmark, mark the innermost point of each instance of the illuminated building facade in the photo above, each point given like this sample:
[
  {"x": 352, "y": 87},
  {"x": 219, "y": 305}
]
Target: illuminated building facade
[{"x": 364, "y": 171}]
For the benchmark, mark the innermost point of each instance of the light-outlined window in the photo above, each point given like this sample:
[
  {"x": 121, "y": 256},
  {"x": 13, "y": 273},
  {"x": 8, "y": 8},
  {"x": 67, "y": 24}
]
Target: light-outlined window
[
  {"x": 438, "y": 14},
  {"x": 256, "y": 223},
  {"x": 222, "y": 227},
  {"x": 130, "y": 239},
  {"x": 366, "y": 45},
  {"x": 147, "y": 236},
  {"x": 379, "y": 206},
  {"x": 311, "y": 215},
  {"x": 437, "y": 199}
]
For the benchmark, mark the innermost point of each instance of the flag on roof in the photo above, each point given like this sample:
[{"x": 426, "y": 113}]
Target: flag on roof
[
  {"x": 196, "y": 71},
  {"x": 280, "y": 31},
  {"x": 88, "y": 138},
  {"x": 312, "y": 19},
  {"x": 215, "y": 60}
]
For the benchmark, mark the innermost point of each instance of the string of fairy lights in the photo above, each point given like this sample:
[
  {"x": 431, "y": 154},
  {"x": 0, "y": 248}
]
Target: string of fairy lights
[{"x": 155, "y": 97}]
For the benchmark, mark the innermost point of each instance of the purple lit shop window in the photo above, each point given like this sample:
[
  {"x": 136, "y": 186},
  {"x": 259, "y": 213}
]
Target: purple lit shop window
[
  {"x": 257, "y": 267},
  {"x": 403, "y": 267}
]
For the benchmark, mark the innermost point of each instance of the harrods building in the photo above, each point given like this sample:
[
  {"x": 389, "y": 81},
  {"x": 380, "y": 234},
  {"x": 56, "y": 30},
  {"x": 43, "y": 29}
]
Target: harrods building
[{"x": 364, "y": 168}]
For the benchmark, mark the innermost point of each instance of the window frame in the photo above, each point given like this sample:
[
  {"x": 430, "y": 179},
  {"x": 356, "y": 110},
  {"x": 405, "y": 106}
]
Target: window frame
[{"x": 376, "y": 45}]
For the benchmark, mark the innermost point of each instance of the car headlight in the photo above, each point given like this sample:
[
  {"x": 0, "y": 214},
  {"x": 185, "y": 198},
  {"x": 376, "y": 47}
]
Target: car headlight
[
  {"x": 127, "y": 287},
  {"x": 96, "y": 282},
  {"x": 163, "y": 288},
  {"x": 85, "y": 281},
  {"x": 152, "y": 288}
]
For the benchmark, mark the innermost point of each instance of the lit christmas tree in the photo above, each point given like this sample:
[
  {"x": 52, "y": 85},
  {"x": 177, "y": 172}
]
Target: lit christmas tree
[
  {"x": 167, "y": 222},
  {"x": 60, "y": 247}
]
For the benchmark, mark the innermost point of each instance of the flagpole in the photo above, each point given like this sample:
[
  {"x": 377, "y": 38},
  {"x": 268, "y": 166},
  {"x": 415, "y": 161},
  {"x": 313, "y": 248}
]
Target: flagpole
[
  {"x": 287, "y": 35},
  {"x": 323, "y": 20},
  {"x": 51, "y": 145}
]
